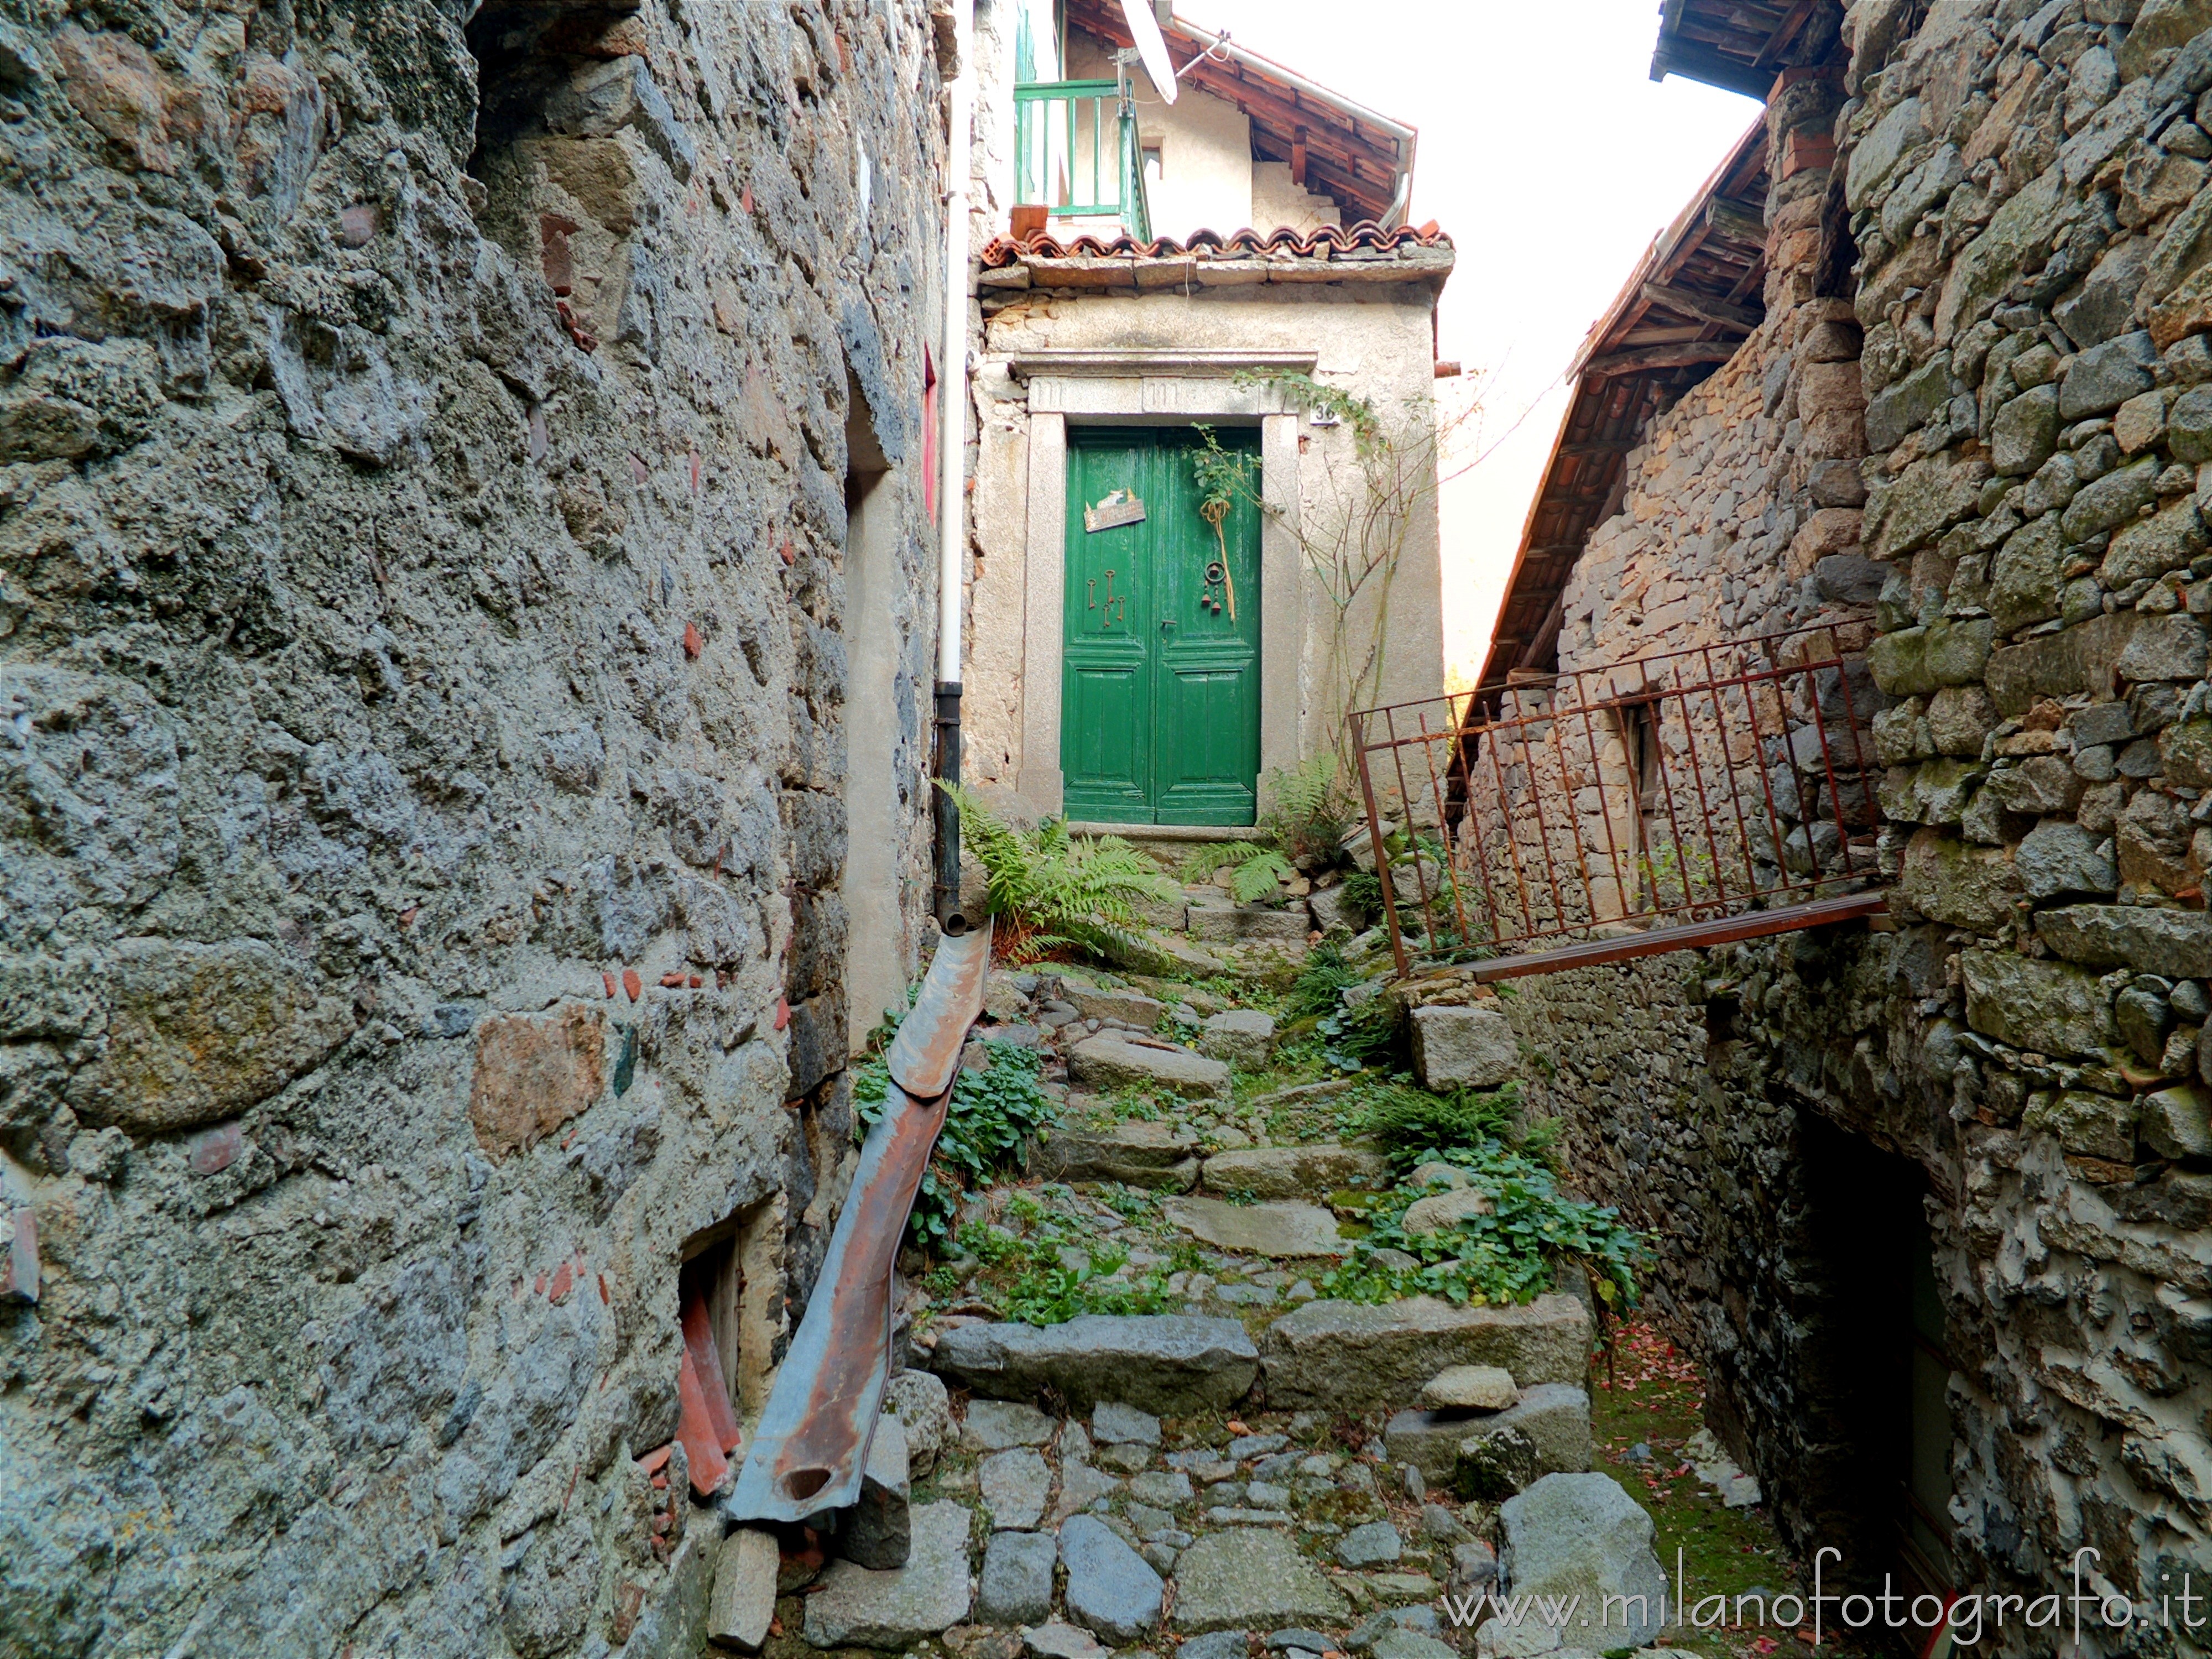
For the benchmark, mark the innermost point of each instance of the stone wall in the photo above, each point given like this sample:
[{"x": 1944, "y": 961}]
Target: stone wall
[
  {"x": 425, "y": 455},
  {"x": 2011, "y": 1064}
]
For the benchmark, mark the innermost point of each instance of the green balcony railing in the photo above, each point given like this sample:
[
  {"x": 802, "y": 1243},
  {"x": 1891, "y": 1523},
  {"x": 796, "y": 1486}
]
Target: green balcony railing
[{"x": 1075, "y": 152}]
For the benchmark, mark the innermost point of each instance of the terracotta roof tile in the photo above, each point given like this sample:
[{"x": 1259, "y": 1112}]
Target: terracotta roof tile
[{"x": 1326, "y": 242}]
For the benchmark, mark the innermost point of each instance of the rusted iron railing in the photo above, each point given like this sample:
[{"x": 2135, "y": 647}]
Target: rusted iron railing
[
  {"x": 808, "y": 1453},
  {"x": 1717, "y": 793}
]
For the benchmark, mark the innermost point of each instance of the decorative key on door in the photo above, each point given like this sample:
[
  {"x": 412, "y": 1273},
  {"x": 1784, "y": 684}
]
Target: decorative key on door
[{"x": 1117, "y": 605}]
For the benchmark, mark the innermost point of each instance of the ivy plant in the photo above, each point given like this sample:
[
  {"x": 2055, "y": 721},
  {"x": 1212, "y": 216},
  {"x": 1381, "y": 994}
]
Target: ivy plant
[{"x": 1508, "y": 1254}]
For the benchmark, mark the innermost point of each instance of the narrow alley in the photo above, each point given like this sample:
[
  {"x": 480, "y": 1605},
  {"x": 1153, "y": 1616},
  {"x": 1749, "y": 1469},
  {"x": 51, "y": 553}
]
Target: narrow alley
[{"x": 750, "y": 899}]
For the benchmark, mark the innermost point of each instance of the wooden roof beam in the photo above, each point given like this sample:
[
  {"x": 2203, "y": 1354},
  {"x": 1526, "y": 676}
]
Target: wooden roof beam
[
  {"x": 1737, "y": 222},
  {"x": 1785, "y": 34},
  {"x": 1683, "y": 355},
  {"x": 1704, "y": 307}
]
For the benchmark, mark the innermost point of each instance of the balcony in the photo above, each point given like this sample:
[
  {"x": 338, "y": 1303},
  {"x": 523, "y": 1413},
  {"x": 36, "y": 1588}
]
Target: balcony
[
  {"x": 1699, "y": 797},
  {"x": 1076, "y": 155}
]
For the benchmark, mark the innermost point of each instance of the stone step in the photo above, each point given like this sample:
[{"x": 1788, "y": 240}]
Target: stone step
[
  {"x": 1553, "y": 1417},
  {"x": 1281, "y": 1230},
  {"x": 1342, "y": 1356},
  {"x": 1130, "y": 1007},
  {"x": 1170, "y": 1364},
  {"x": 1309, "y": 1171},
  {"x": 1155, "y": 951},
  {"x": 1246, "y": 924},
  {"x": 1250, "y": 1578},
  {"x": 856, "y": 1607},
  {"x": 1163, "y": 1157},
  {"x": 1245, "y": 1035},
  {"x": 1112, "y": 1061}
]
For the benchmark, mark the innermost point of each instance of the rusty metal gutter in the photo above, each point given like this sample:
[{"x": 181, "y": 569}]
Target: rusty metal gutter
[{"x": 806, "y": 1455}]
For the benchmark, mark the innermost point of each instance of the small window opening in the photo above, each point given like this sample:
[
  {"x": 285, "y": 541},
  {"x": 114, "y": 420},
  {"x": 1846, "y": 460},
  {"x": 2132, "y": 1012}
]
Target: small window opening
[
  {"x": 1723, "y": 1014},
  {"x": 1646, "y": 782},
  {"x": 1155, "y": 167},
  {"x": 726, "y": 1295}
]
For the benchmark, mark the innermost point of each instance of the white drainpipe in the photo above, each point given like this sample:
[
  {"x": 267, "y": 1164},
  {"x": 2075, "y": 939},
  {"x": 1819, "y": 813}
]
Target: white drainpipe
[{"x": 952, "y": 487}]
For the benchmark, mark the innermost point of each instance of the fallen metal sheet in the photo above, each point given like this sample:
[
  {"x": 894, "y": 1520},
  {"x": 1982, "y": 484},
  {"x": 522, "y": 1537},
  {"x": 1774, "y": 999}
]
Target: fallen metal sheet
[
  {"x": 807, "y": 1453},
  {"x": 925, "y": 1053}
]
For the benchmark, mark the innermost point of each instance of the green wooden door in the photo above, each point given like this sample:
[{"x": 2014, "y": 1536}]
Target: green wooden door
[{"x": 1160, "y": 693}]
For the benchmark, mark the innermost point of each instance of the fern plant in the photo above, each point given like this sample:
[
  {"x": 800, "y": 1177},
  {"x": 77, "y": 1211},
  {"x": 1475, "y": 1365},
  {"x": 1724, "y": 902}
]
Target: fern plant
[
  {"x": 1317, "y": 990},
  {"x": 1304, "y": 822},
  {"x": 1311, "y": 810},
  {"x": 1050, "y": 891},
  {"x": 1257, "y": 870}
]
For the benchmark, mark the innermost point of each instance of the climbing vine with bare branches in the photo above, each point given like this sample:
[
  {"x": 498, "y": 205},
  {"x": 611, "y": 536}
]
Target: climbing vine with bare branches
[{"x": 1353, "y": 532}]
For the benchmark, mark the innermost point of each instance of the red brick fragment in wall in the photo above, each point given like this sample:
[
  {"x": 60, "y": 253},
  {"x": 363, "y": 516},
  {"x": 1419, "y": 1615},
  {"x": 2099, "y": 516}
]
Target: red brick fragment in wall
[
  {"x": 782, "y": 1013},
  {"x": 564, "y": 1278},
  {"x": 693, "y": 645},
  {"x": 609, "y": 980},
  {"x": 1805, "y": 149},
  {"x": 633, "y": 984},
  {"x": 694, "y": 1427},
  {"x": 745, "y": 198},
  {"x": 671, "y": 981},
  {"x": 214, "y": 1149},
  {"x": 19, "y": 1277},
  {"x": 357, "y": 224},
  {"x": 707, "y": 1360},
  {"x": 653, "y": 1462},
  {"x": 554, "y": 256}
]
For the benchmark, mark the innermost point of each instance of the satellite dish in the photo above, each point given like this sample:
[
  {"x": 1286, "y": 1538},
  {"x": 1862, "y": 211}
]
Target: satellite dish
[{"x": 1152, "y": 47}]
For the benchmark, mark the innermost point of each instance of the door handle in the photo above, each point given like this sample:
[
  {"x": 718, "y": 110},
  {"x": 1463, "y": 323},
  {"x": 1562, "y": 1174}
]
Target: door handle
[{"x": 1166, "y": 623}]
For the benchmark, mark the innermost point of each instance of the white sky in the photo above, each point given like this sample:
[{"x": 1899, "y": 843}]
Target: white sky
[{"x": 1552, "y": 160}]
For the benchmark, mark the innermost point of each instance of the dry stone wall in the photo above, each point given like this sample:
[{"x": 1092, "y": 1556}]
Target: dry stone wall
[
  {"x": 2011, "y": 1067},
  {"x": 426, "y": 439}
]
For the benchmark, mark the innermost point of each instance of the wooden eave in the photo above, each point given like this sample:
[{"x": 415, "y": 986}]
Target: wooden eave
[
  {"x": 1699, "y": 285},
  {"x": 1348, "y": 155},
  {"x": 1739, "y": 45}
]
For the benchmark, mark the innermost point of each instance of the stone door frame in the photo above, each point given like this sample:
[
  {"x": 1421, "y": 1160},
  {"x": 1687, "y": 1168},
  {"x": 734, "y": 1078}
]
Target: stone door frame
[{"x": 1157, "y": 389}]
